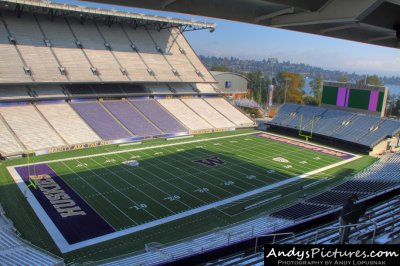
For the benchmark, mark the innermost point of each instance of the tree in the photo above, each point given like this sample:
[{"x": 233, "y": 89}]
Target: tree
[
  {"x": 343, "y": 78},
  {"x": 393, "y": 105},
  {"x": 293, "y": 84},
  {"x": 258, "y": 83},
  {"x": 310, "y": 100},
  {"x": 374, "y": 80},
  {"x": 316, "y": 88}
]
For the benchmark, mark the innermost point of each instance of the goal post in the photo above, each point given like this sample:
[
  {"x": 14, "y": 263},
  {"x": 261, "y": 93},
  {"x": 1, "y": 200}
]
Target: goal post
[
  {"x": 301, "y": 133},
  {"x": 31, "y": 170}
]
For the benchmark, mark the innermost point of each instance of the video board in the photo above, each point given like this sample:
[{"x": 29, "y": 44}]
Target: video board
[{"x": 355, "y": 97}]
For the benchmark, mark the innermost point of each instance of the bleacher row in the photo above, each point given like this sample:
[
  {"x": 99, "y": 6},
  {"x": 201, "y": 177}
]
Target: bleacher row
[
  {"x": 380, "y": 224},
  {"x": 13, "y": 251},
  {"x": 346, "y": 126},
  {"x": 381, "y": 176},
  {"x": 40, "y": 48},
  {"x": 33, "y": 92},
  {"x": 42, "y": 125}
]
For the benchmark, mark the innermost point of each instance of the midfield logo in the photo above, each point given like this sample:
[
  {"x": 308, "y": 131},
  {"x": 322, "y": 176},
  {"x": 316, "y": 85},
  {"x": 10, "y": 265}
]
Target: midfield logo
[{"x": 212, "y": 161}]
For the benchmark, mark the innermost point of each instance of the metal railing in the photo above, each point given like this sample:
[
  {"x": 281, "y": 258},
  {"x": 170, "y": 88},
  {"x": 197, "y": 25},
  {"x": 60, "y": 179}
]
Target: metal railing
[
  {"x": 273, "y": 238},
  {"x": 343, "y": 227}
]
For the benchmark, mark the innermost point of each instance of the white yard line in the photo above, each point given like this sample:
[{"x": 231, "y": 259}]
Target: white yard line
[
  {"x": 65, "y": 247},
  {"x": 140, "y": 149}
]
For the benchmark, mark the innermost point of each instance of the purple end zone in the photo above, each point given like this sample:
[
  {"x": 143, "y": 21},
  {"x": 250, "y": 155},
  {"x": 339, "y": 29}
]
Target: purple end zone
[
  {"x": 312, "y": 147},
  {"x": 73, "y": 217}
]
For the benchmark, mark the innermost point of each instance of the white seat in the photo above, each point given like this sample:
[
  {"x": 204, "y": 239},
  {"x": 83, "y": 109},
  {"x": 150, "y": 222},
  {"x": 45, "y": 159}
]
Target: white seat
[
  {"x": 68, "y": 123},
  {"x": 30, "y": 127}
]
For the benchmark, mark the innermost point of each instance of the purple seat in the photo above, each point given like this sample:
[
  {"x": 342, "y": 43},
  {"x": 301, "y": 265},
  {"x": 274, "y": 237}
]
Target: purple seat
[
  {"x": 131, "y": 118},
  {"x": 100, "y": 121},
  {"x": 159, "y": 116}
]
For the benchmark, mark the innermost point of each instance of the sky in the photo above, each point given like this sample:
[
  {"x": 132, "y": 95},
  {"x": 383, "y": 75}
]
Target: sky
[{"x": 248, "y": 41}]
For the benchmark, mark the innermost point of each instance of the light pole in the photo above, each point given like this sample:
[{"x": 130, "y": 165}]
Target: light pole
[
  {"x": 261, "y": 84},
  {"x": 286, "y": 81}
]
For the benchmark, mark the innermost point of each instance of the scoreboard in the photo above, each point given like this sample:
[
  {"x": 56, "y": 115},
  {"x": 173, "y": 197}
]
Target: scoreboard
[{"x": 355, "y": 97}]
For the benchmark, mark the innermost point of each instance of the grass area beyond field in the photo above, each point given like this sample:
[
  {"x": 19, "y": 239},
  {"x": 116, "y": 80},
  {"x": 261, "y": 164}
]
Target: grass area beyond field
[{"x": 172, "y": 179}]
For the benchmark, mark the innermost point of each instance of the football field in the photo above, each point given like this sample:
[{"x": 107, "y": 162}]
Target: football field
[{"x": 144, "y": 187}]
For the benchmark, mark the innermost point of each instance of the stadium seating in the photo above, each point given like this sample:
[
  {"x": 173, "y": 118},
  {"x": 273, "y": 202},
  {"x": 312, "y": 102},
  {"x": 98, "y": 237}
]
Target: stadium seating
[
  {"x": 347, "y": 126},
  {"x": 300, "y": 211},
  {"x": 67, "y": 123},
  {"x": 30, "y": 127},
  {"x": 209, "y": 114},
  {"x": 100, "y": 120},
  {"x": 192, "y": 56},
  {"x": 178, "y": 60},
  {"x": 147, "y": 50},
  {"x": 121, "y": 48},
  {"x": 230, "y": 112},
  {"x": 201, "y": 243},
  {"x": 11, "y": 64},
  {"x": 385, "y": 216},
  {"x": 380, "y": 176},
  {"x": 14, "y": 251},
  {"x": 159, "y": 116},
  {"x": 93, "y": 45},
  {"x": 39, "y": 58},
  {"x": 184, "y": 114},
  {"x": 386, "y": 169},
  {"x": 8, "y": 143},
  {"x": 334, "y": 198},
  {"x": 386, "y": 128},
  {"x": 132, "y": 119},
  {"x": 65, "y": 49}
]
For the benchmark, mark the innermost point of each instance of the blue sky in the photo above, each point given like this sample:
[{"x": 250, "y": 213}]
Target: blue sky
[{"x": 247, "y": 41}]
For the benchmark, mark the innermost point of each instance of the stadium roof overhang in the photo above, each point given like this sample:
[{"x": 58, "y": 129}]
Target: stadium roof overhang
[
  {"x": 368, "y": 21},
  {"x": 110, "y": 16}
]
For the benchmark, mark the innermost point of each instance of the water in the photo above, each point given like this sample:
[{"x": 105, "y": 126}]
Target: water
[{"x": 393, "y": 89}]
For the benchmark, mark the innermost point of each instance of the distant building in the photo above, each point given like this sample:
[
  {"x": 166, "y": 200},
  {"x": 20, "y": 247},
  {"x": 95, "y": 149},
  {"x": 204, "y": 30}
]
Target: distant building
[{"x": 231, "y": 84}]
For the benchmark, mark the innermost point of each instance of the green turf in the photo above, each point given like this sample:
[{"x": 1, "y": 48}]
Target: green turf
[
  {"x": 168, "y": 181},
  {"x": 114, "y": 189}
]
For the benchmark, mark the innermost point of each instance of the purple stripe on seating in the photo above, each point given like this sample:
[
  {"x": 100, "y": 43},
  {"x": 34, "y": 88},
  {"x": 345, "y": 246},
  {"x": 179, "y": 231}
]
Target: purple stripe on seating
[
  {"x": 341, "y": 97},
  {"x": 131, "y": 118},
  {"x": 159, "y": 116},
  {"x": 73, "y": 217},
  {"x": 347, "y": 97},
  {"x": 100, "y": 121},
  {"x": 373, "y": 100}
]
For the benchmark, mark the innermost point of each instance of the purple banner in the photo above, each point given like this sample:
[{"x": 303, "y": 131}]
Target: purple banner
[
  {"x": 73, "y": 217},
  {"x": 347, "y": 98},
  {"x": 373, "y": 100},
  {"x": 341, "y": 97}
]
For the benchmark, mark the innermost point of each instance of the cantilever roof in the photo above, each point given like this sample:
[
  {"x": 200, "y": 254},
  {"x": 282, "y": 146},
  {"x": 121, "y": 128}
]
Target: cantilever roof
[
  {"x": 43, "y": 6},
  {"x": 369, "y": 21}
]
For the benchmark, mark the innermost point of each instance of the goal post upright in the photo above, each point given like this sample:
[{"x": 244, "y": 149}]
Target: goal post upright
[
  {"x": 30, "y": 173},
  {"x": 301, "y": 134}
]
